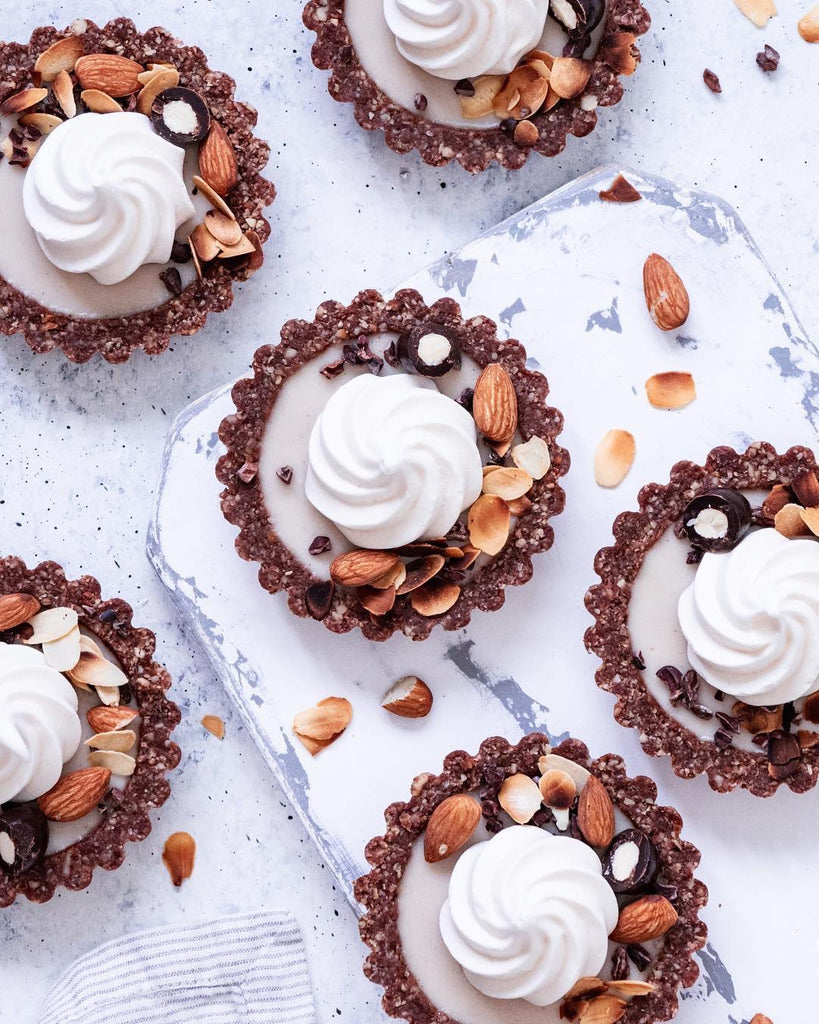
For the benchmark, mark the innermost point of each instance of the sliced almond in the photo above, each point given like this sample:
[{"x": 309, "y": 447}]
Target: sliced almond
[
  {"x": 469, "y": 557},
  {"x": 523, "y": 92},
  {"x": 109, "y": 73},
  {"x": 178, "y": 856},
  {"x": 94, "y": 670},
  {"x": 119, "y": 740},
  {"x": 197, "y": 266},
  {"x": 605, "y": 1009},
  {"x": 520, "y": 797},
  {"x": 51, "y": 624},
  {"x": 225, "y": 230},
  {"x": 162, "y": 78},
  {"x": 206, "y": 246},
  {"x": 44, "y": 123},
  {"x": 806, "y": 488},
  {"x": 59, "y": 58},
  {"x": 435, "y": 598},
  {"x": 105, "y": 719},
  {"x": 23, "y": 100},
  {"x": 557, "y": 789},
  {"x": 75, "y": 794},
  {"x": 810, "y": 517},
  {"x": 419, "y": 571},
  {"x": 495, "y": 404},
  {"x": 666, "y": 296},
  {"x": 109, "y": 695},
  {"x": 778, "y": 497},
  {"x": 64, "y": 653},
  {"x": 570, "y": 76},
  {"x": 89, "y": 644},
  {"x": 450, "y": 825},
  {"x": 613, "y": 458},
  {"x": 533, "y": 457},
  {"x": 410, "y": 697},
  {"x": 520, "y": 505},
  {"x": 116, "y": 762},
  {"x": 217, "y": 160},
  {"x": 671, "y": 390},
  {"x": 377, "y": 601},
  {"x": 482, "y": 102},
  {"x": 759, "y": 12},
  {"x": 214, "y": 725},
  {"x": 550, "y": 762},
  {"x": 362, "y": 568},
  {"x": 630, "y": 988},
  {"x": 508, "y": 483},
  {"x": 99, "y": 102},
  {"x": 790, "y": 521},
  {"x": 647, "y": 918},
  {"x": 244, "y": 247},
  {"x": 809, "y": 25},
  {"x": 319, "y": 726},
  {"x": 595, "y": 813},
  {"x": 618, "y": 51},
  {"x": 213, "y": 197},
  {"x": 257, "y": 256},
  {"x": 63, "y": 89},
  {"x": 15, "y": 609},
  {"x": 489, "y": 520},
  {"x": 586, "y": 987}
]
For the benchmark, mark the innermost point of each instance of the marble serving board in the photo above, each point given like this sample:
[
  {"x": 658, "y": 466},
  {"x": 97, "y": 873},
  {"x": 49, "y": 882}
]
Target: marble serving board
[{"x": 565, "y": 276}]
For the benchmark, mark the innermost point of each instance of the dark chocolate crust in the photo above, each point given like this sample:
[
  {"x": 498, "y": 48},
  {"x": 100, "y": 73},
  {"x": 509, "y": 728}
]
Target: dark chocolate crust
[
  {"x": 369, "y": 313},
  {"x": 473, "y": 148},
  {"x": 126, "y": 819},
  {"x": 378, "y": 891},
  {"x": 115, "y": 339},
  {"x": 661, "y": 505}
]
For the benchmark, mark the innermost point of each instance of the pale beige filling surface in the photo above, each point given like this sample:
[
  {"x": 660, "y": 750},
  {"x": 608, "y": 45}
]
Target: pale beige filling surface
[{"x": 26, "y": 267}]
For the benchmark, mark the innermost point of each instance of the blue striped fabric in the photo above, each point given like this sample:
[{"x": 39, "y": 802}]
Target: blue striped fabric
[{"x": 249, "y": 968}]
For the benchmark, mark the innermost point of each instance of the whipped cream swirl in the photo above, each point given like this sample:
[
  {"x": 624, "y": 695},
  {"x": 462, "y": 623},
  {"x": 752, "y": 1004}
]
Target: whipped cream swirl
[
  {"x": 751, "y": 619},
  {"x": 39, "y": 725},
  {"x": 457, "y": 39},
  {"x": 392, "y": 460},
  {"x": 528, "y": 915},
  {"x": 105, "y": 194}
]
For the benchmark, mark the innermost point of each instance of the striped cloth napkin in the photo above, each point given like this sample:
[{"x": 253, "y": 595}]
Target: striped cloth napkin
[{"x": 245, "y": 969}]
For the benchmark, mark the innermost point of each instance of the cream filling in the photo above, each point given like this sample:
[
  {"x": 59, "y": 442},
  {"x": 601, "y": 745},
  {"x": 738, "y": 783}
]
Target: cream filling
[
  {"x": 285, "y": 443},
  {"x": 402, "y": 81},
  {"x": 655, "y": 631},
  {"x": 26, "y": 267}
]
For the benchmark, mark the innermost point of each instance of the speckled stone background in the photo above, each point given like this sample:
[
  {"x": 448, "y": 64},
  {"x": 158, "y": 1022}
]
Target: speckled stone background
[{"x": 81, "y": 445}]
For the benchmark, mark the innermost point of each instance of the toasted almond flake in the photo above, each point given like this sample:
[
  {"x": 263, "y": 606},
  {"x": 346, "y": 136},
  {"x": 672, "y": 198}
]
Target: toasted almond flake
[
  {"x": 225, "y": 230},
  {"x": 99, "y": 102},
  {"x": 109, "y": 695},
  {"x": 377, "y": 601},
  {"x": 244, "y": 247},
  {"x": 469, "y": 557},
  {"x": 64, "y": 653},
  {"x": 630, "y": 988},
  {"x": 116, "y": 762},
  {"x": 214, "y": 725},
  {"x": 586, "y": 987},
  {"x": 520, "y": 797},
  {"x": 94, "y": 670},
  {"x": 257, "y": 256},
  {"x": 809, "y": 25},
  {"x": 557, "y": 789},
  {"x": 59, "y": 58},
  {"x": 178, "y": 856},
  {"x": 613, "y": 458},
  {"x": 23, "y": 100},
  {"x": 161, "y": 79},
  {"x": 520, "y": 505},
  {"x": 312, "y": 746},
  {"x": 419, "y": 571},
  {"x": 206, "y": 246},
  {"x": 570, "y": 76},
  {"x": 490, "y": 469},
  {"x": 63, "y": 89},
  {"x": 550, "y": 762},
  {"x": 89, "y": 644},
  {"x": 759, "y": 12},
  {"x": 212, "y": 196},
  {"x": 118, "y": 740},
  {"x": 325, "y": 721},
  {"x": 488, "y": 522},
  {"x": 482, "y": 103},
  {"x": 109, "y": 719},
  {"x": 670, "y": 390},
  {"x": 435, "y": 598},
  {"x": 604, "y": 1009},
  {"x": 790, "y": 521},
  {"x": 51, "y": 624},
  {"x": 507, "y": 483},
  {"x": 810, "y": 517},
  {"x": 197, "y": 266},
  {"x": 44, "y": 123},
  {"x": 533, "y": 457}
]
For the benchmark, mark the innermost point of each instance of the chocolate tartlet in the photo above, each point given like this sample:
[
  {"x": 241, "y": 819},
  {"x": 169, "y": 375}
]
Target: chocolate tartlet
[
  {"x": 88, "y": 71},
  {"x": 686, "y": 534},
  {"x": 513, "y": 113},
  {"x": 58, "y": 837},
  {"x": 413, "y": 585},
  {"x": 655, "y": 900}
]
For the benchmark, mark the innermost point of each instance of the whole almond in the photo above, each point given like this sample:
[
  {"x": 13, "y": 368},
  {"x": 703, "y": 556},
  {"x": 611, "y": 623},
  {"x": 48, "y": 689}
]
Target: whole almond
[
  {"x": 595, "y": 813},
  {"x": 217, "y": 160},
  {"x": 60, "y": 56},
  {"x": 362, "y": 568},
  {"x": 450, "y": 825},
  {"x": 410, "y": 697},
  {"x": 109, "y": 73},
  {"x": 647, "y": 918},
  {"x": 16, "y": 609},
  {"x": 495, "y": 404},
  {"x": 666, "y": 295},
  {"x": 105, "y": 719},
  {"x": 75, "y": 794},
  {"x": 178, "y": 856}
]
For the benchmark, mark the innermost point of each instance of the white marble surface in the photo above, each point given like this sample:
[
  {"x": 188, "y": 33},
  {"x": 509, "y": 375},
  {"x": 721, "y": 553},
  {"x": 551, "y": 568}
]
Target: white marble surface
[{"x": 81, "y": 446}]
